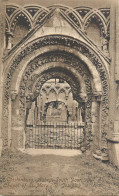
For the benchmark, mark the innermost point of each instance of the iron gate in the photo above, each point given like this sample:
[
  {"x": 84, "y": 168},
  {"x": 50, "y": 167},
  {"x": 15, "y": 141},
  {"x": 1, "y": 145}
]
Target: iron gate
[{"x": 47, "y": 135}]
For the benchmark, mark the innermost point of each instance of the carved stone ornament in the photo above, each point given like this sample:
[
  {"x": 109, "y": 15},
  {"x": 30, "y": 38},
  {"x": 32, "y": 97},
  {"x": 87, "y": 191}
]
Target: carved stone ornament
[
  {"x": 29, "y": 97},
  {"x": 98, "y": 96},
  {"x": 84, "y": 97},
  {"x": 13, "y": 94},
  {"x": 79, "y": 16},
  {"x": 68, "y": 59}
]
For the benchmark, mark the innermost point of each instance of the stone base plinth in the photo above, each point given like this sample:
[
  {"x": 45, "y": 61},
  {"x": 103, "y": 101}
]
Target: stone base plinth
[{"x": 113, "y": 149}]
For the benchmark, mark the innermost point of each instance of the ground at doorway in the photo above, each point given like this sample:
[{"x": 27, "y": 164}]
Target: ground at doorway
[{"x": 22, "y": 174}]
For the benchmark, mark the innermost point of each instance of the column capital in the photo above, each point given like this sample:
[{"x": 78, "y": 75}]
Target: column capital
[
  {"x": 83, "y": 96},
  {"x": 9, "y": 33},
  {"x": 29, "y": 97},
  {"x": 13, "y": 94},
  {"x": 98, "y": 96}
]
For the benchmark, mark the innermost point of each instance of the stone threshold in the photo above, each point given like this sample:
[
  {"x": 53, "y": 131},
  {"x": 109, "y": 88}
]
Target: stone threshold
[{"x": 60, "y": 152}]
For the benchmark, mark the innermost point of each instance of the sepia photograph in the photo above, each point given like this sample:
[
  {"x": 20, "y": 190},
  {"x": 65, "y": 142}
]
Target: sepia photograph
[{"x": 59, "y": 97}]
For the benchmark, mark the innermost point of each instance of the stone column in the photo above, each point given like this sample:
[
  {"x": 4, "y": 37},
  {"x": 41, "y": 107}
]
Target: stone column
[
  {"x": 95, "y": 125},
  {"x": 117, "y": 69},
  {"x": 113, "y": 138},
  {"x": 2, "y": 46},
  {"x": 36, "y": 112},
  {"x": 105, "y": 46},
  {"x": 96, "y": 121},
  {"x": 9, "y": 37},
  {"x": 13, "y": 121}
]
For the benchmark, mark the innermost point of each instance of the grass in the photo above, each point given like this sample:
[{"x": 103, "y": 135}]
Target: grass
[{"x": 22, "y": 174}]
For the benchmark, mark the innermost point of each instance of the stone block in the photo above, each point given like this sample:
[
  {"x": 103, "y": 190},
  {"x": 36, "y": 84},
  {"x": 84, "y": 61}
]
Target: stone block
[{"x": 113, "y": 149}]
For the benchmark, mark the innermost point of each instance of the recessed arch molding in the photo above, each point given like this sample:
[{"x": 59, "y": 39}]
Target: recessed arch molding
[{"x": 70, "y": 43}]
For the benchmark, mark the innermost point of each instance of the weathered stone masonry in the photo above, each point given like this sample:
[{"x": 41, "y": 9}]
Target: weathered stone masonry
[{"x": 73, "y": 44}]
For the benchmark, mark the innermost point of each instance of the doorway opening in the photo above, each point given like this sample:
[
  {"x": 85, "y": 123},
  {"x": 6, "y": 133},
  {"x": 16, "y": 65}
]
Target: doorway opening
[{"x": 55, "y": 119}]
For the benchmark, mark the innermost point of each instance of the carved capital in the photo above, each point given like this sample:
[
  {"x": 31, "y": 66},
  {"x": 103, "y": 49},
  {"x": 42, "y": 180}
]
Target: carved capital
[
  {"x": 13, "y": 94},
  {"x": 83, "y": 97},
  {"x": 98, "y": 96},
  {"x": 9, "y": 34},
  {"x": 29, "y": 97},
  {"x": 28, "y": 105},
  {"x": 29, "y": 100}
]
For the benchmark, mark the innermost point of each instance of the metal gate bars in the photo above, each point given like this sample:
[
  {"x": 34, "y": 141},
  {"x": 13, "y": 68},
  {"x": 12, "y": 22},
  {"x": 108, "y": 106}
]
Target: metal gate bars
[{"x": 53, "y": 135}]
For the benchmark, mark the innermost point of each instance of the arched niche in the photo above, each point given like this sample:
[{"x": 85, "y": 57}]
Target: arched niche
[
  {"x": 95, "y": 37},
  {"x": 21, "y": 29}
]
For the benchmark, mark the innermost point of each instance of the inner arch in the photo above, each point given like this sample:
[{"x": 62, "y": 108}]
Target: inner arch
[{"x": 94, "y": 73}]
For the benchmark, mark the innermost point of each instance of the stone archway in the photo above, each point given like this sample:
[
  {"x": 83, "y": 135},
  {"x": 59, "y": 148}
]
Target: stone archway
[
  {"x": 48, "y": 124},
  {"x": 78, "y": 61}
]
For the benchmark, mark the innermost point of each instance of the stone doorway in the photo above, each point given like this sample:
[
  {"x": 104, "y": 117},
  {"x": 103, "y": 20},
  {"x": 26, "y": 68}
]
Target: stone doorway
[
  {"x": 72, "y": 62},
  {"x": 55, "y": 119}
]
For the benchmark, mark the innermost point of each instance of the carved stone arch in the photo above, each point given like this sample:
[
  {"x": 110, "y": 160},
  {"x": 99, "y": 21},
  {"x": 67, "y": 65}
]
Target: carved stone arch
[
  {"x": 95, "y": 61},
  {"x": 15, "y": 8},
  {"x": 98, "y": 13},
  {"x": 36, "y": 81},
  {"x": 94, "y": 73},
  {"x": 62, "y": 67},
  {"x": 99, "y": 19},
  {"x": 62, "y": 89},
  {"x": 15, "y": 17},
  {"x": 75, "y": 17},
  {"x": 38, "y": 19},
  {"x": 34, "y": 9},
  {"x": 52, "y": 90},
  {"x": 68, "y": 45},
  {"x": 49, "y": 74},
  {"x": 83, "y": 11}
]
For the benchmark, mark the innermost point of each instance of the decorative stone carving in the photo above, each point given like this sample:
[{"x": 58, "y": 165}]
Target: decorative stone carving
[
  {"x": 84, "y": 97},
  {"x": 35, "y": 15},
  {"x": 42, "y": 78},
  {"x": 13, "y": 95},
  {"x": 98, "y": 96},
  {"x": 69, "y": 42},
  {"x": 9, "y": 37},
  {"x": 28, "y": 100},
  {"x": 105, "y": 44}
]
